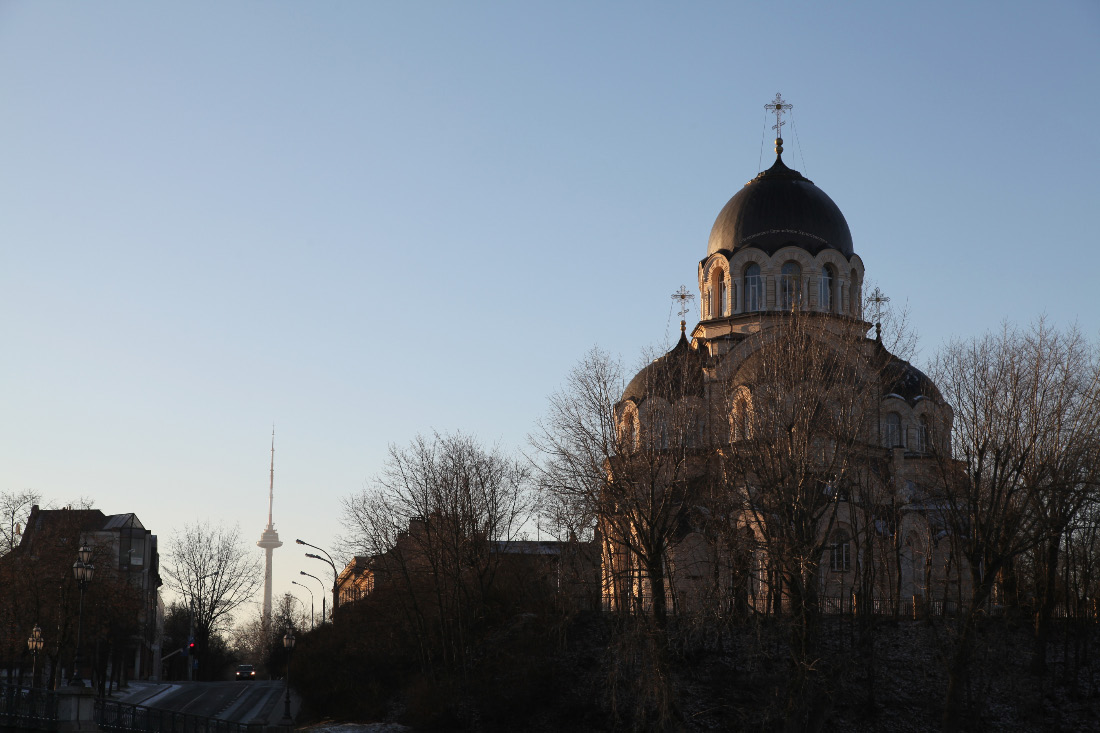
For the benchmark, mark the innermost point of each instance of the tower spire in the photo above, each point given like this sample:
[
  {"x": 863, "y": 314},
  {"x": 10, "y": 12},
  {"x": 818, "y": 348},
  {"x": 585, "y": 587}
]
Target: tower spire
[
  {"x": 269, "y": 538},
  {"x": 271, "y": 485}
]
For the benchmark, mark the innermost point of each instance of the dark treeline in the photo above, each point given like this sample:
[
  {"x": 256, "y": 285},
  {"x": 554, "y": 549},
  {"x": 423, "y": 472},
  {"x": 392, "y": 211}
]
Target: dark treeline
[{"x": 750, "y": 557}]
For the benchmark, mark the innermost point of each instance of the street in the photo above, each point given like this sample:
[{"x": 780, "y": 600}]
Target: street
[{"x": 241, "y": 702}]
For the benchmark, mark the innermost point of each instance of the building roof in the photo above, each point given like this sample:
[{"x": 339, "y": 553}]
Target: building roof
[
  {"x": 679, "y": 373},
  {"x": 780, "y": 207}
]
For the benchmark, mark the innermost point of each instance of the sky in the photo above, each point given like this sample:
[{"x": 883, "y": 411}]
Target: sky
[{"x": 360, "y": 221}]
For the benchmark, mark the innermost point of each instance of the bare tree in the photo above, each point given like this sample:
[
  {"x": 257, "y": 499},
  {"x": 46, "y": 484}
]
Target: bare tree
[
  {"x": 625, "y": 467},
  {"x": 215, "y": 573},
  {"x": 428, "y": 523},
  {"x": 1064, "y": 471},
  {"x": 14, "y": 509},
  {"x": 803, "y": 402},
  {"x": 1012, "y": 473}
]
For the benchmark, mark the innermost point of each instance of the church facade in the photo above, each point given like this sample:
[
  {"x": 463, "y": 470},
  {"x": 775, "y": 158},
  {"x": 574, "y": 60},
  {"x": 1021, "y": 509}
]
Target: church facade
[{"x": 779, "y": 454}]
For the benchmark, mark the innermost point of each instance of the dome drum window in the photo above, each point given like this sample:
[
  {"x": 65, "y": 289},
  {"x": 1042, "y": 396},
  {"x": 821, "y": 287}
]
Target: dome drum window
[
  {"x": 825, "y": 289},
  {"x": 891, "y": 431},
  {"x": 754, "y": 295},
  {"x": 789, "y": 291}
]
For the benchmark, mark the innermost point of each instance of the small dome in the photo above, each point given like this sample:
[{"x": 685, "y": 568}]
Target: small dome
[
  {"x": 679, "y": 373},
  {"x": 780, "y": 207},
  {"x": 906, "y": 381}
]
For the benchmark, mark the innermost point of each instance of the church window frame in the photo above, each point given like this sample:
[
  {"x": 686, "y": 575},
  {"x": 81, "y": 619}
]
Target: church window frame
[
  {"x": 790, "y": 286},
  {"x": 922, "y": 434},
  {"x": 718, "y": 292},
  {"x": 825, "y": 289},
  {"x": 892, "y": 430},
  {"x": 755, "y": 293},
  {"x": 840, "y": 552},
  {"x": 629, "y": 430},
  {"x": 855, "y": 296},
  {"x": 741, "y": 417}
]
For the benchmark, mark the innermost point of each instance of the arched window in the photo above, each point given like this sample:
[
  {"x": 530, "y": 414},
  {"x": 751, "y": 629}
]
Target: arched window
[
  {"x": 891, "y": 431},
  {"x": 658, "y": 434},
  {"x": 825, "y": 289},
  {"x": 628, "y": 434},
  {"x": 840, "y": 552},
  {"x": 718, "y": 292},
  {"x": 922, "y": 434},
  {"x": 741, "y": 419},
  {"x": 854, "y": 296},
  {"x": 754, "y": 289},
  {"x": 790, "y": 286},
  {"x": 695, "y": 431}
]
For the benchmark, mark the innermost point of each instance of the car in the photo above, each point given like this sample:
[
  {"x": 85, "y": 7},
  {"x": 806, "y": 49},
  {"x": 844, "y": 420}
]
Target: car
[{"x": 246, "y": 672}]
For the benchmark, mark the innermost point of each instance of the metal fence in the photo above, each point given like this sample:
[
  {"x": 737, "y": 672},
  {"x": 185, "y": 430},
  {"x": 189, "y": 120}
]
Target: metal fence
[
  {"x": 23, "y": 708},
  {"x": 112, "y": 715}
]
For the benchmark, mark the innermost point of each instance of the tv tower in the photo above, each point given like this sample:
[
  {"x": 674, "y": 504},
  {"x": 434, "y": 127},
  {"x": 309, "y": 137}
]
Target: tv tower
[{"x": 269, "y": 540}]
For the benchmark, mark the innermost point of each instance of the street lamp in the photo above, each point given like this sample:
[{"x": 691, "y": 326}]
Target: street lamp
[
  {"x": 82, "y": 571},
  {"x": 310, "y": 590},
  {"x": 288, "y": 643},
  {"x": 335, "y": 575},
  {"x": 35, "y": 644},
  {"x": 323, "y": 589}
]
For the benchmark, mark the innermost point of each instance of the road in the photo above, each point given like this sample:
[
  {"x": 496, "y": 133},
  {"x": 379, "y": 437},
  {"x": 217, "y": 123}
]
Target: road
[{"x": 241, "y": 702}]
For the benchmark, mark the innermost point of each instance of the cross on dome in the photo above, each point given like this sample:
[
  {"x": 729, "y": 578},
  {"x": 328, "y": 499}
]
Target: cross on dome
[
  {"x": 778, "y": 106},
  {"x": 684, "y": 297}
]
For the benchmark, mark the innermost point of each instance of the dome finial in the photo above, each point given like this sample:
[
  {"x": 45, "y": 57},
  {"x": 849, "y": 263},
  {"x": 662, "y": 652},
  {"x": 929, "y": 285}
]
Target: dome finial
[{"x": 778, "y": 106}]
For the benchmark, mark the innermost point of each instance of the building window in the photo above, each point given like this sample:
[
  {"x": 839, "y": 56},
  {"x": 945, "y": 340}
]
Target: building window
[
  {"x": 754, "y": 289},
  {"x": 719, "y": 292},
  {"x": 891, "y": 431},
  {"x": 825, "y": 289},
  {"x": 790, "y": 286},
  {"x": 840, "y": 553},
  {"x": 922, "y": 434},
  {"x": 629, "y": 433},
  {"x": 741, "y": 420},
  {"x": 856, "y": 306}
]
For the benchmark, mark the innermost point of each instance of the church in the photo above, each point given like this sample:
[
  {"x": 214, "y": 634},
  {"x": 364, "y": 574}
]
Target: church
[{"x": 779, "y": 454}]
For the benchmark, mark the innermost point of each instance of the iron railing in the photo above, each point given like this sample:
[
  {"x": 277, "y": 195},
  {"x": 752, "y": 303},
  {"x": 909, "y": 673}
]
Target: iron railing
[
  {"x": 113, "y": 715},
  {"x": 25, "y": 708}
]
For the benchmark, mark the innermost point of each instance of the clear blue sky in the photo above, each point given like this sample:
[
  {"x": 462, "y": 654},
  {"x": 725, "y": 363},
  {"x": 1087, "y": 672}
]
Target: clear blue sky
[{"x": 364, "y": 220}]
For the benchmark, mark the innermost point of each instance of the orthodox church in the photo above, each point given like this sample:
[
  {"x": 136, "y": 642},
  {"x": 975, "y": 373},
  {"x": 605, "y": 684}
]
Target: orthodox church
[{"x": 781, "y": 312}]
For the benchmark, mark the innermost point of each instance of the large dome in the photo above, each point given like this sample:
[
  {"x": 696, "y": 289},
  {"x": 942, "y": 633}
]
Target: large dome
[{"x": 780, "y": 207}]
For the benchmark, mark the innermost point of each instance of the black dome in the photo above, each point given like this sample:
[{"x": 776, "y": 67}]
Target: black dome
[
  {"x": 777, "y": 208},
  {"x": 679, "y": 373}
]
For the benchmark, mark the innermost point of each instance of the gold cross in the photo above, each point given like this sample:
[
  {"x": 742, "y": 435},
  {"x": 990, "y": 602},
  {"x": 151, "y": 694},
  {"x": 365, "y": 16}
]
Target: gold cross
[
  {"x": 778, "y": 106},
  {"x": 684, "y": 297}
]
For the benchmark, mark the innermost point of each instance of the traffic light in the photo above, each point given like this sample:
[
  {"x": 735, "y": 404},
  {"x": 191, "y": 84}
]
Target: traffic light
[{"x": 189, "y": 648}]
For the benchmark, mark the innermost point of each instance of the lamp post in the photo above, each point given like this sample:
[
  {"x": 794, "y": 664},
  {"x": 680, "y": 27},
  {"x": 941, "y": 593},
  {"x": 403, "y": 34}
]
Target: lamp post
[
  {"x": 288, "y": 643},
  {"x": 35, "y": 644},
  {"x": 82, "y": 571},
  {"x": 335, "y": 575},
  {"x": 312, "y": 625},
  {"x": 323, "y": 590}
]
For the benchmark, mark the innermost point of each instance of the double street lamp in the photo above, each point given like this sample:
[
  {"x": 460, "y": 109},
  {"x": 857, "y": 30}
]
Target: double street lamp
[
  {"x": 288, "y": 643},
  {"x": 335, "y": 574},
  {"x": 310, "y": 591},
  {"x": 324, "y": 589},
  {"x": 35, "y": 644},
  {"x": 82, "y": 571}
]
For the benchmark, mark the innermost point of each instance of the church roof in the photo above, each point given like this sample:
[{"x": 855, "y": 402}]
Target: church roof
[
  {"x": 904, "y": 380},
  {"x": 780, "y": 207},
  {"x": 679, "y": 373}
]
